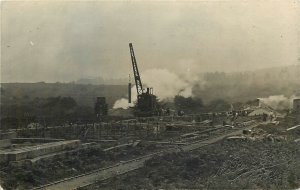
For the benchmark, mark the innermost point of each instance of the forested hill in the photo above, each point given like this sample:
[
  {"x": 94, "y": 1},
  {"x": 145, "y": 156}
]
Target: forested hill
[
  {"x": 83, "y": 94},
  {"x": 232, "y": 87},
  {"x": 243, "y": 86}
]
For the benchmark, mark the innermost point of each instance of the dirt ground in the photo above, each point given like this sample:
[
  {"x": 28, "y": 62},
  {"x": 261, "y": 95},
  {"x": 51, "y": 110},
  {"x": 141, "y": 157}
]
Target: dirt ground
[
  {"x": 225, "y": 165},
  {"x": 265, "y": 158}
]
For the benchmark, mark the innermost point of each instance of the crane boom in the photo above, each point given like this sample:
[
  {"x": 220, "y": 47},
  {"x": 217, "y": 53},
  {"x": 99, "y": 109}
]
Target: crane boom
[{"x": 137, "y": 78}]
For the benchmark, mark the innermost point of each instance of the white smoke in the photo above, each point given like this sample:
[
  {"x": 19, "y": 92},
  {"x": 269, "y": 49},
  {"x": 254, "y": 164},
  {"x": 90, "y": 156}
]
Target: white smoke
[
  {"x": 121, "y": 103},
  {"x": 279, "y": 102},
  {"x": 165, "y": 84}
]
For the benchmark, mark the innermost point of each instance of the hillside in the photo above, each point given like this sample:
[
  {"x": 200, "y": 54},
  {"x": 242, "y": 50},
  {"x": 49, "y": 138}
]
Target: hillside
[
  {"x": 232, "y": 87},
  {"x": 83, "y": 94},
  {"x": 244, "y": 86}
]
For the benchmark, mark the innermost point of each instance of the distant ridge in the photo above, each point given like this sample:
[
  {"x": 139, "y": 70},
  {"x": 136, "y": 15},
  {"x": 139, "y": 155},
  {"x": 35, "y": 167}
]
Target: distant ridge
[
  {"x": 102, "y": 81},
  {"x": 82, "y": 93}
]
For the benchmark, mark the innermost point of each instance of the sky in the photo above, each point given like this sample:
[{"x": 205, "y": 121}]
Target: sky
[{"x": 63, "y": 41}]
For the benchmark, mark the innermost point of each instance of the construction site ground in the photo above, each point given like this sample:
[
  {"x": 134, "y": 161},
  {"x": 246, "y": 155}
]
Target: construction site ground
[
  {"x": 253, "y": 154},
  {"x": 125, "y": 167},
  {"x": 217, "y": 166},
  {"x": 266, "y": 157},
  {"x": 224, "y": 165}
]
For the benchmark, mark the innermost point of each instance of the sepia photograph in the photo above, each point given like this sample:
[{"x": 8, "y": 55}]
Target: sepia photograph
[{"x": 150, "y": 94}]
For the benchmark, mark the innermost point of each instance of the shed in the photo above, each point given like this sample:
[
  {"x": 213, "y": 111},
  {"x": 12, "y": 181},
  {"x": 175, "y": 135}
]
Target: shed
[{"x": 261, "y": 111}]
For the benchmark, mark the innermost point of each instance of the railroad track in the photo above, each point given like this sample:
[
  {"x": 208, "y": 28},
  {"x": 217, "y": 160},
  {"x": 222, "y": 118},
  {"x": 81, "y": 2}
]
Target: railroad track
[{"x": 94, "y": 176}]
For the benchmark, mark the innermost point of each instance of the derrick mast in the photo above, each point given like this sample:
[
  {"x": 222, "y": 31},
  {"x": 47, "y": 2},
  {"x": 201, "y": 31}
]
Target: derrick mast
[{"x": 136, "y": 74}]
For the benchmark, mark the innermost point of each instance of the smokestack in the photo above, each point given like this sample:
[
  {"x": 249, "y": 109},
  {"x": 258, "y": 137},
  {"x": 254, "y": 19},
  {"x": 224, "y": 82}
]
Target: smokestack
[{"x": 129, "y": 91}]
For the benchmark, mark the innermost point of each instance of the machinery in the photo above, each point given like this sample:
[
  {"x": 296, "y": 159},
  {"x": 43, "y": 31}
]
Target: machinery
[{"x": 146, "y": 104}]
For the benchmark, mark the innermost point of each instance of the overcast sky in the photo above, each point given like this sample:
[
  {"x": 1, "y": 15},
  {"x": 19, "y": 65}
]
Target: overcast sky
[{"x": 64, "y": 40}]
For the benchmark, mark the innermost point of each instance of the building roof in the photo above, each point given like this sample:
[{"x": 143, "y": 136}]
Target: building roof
[{"x": 261, "y": 111}]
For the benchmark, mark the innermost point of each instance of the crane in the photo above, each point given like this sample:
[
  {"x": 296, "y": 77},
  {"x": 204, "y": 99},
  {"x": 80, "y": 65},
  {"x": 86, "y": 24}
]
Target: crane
[
  {"x": 137, "y": 78},
  {"x": 146, "y": 104}
]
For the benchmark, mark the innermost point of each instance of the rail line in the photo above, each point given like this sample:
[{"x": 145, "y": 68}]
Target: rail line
[{"x": 101, "y": 174}]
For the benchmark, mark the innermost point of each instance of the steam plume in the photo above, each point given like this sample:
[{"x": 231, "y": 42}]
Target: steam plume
[
  {"x": 165, "y": 83},
  {"x": 279, "y": 102}
]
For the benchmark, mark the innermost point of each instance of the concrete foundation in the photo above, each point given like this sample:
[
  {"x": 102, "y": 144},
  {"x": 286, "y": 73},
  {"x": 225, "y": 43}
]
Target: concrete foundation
[
  {"x": 35, "y": 151},
  {"x": 7, "y": 135},
  {"x": 5, "y": 143}
]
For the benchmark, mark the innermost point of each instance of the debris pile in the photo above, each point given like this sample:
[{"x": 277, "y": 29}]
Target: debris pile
[
  {"x": 262, "y": 135},
  {"x": 225, "y": 165}
]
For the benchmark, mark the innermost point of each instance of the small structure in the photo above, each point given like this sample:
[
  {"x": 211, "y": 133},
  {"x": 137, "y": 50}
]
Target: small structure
[
  {"x": 296, "y": 105},
  {"x": 261, "y": 111},
  {"x": 101, "y": 107}
]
